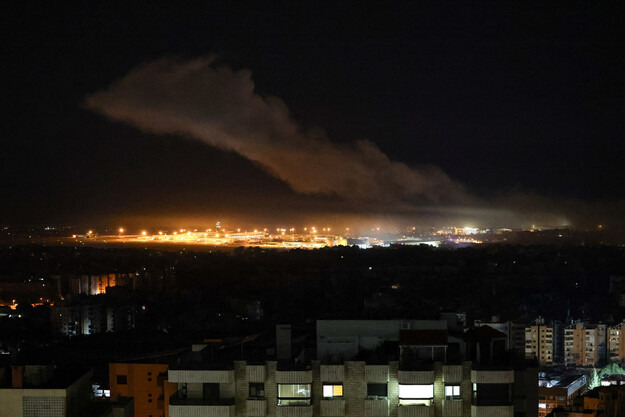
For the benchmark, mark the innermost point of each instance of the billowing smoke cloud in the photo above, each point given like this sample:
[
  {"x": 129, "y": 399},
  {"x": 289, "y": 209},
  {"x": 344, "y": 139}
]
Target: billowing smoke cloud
[{"x": 219, "y": 106}]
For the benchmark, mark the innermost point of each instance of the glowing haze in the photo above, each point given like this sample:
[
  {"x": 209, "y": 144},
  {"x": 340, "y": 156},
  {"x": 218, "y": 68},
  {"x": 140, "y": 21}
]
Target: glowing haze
[
  {"x": 212, "y": 103},
  {"x": 208, "y": 101}
]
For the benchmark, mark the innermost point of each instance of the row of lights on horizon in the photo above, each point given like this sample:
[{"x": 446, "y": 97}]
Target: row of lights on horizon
[{"x": 291, "y": 230}]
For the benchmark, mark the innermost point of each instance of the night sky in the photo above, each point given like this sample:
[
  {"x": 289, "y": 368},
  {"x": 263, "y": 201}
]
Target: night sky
[{"x": 480, "y": 112}]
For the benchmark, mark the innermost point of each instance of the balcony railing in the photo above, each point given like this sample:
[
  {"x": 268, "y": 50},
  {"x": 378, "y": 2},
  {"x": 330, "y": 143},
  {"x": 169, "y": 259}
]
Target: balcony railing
[
  {"x": 415, "y": 411},
  {"x": 494, "y": 411},
  {"x": 452, "y": 408},
  {"x": 332, "y": 373},
  {"x": 187, "y": 407},
  {"x": 377, "y": 407},
  {"x": 484, "y": 376},
  {"x": 490, "y": 402},
  {"x": 294, "y": 411},
  {"x": 202, "y": 376},
  {"x": 334, "y": 407},
  {"x": 415, "y": 377},
  {"x": 256, "y": 407},
  {"x": 176, "y": 399}
]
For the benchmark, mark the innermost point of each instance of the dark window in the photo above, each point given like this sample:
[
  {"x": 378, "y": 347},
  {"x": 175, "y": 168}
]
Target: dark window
[
  {"x": 149, "y": 379},
  {"x": 150, "y": 400},
  {"x": 493, "y": 394},
  {"x": 257, "y": 390},
  {"x": 122, "y": 379},
  {"x": 377, "y": 390},
  {"x": 211, "y": 391}
]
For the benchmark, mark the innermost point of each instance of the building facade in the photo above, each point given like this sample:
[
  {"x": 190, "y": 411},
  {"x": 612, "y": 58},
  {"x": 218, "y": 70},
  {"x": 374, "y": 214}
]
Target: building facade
[
  {"x": 35, "y": 391},
  {"x": 354, "y": 388},
  {"x": 585, "y": 345},
  {"x": 387, "y": 369},
  {"x": 541, "y": 342},
  {"x": 146, "y": 383},
  {"x": 616, "y": 343},
  {"x": 559, "y": 393}
]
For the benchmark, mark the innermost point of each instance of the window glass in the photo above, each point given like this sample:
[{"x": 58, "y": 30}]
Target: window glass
[
  {"x": 452, "y": 390},
  {"x": 332, "y": 390},
  {"x": 377, "y": 390},
  {"x": 257, "y": 390},
  {"x": 416, "y": 391},
  {"x": 122, "y": 379},
  {"x": 293, "y": 394}
]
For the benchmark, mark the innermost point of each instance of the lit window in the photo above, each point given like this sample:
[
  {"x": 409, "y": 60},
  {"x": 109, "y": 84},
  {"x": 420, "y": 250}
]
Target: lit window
[
  {"x": 294, "y": 394},
  {"x": 416, "y": 394},
  {"x": 332, "y": 390},
  {"x": 452, "y": 391}
]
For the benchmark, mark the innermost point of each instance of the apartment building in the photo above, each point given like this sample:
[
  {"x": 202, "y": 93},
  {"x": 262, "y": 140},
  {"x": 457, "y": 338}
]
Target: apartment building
[
  {"x": 421, "y": 382},
  {"x": 616, "y": 343},
  {"x": 85, "y": 315},
  {"x": 585, "y": 345},
  {"x": 542, "y": 342}
]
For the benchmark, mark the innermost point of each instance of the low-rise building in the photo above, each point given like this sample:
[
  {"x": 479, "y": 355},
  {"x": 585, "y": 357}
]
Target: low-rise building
[
  {"x": 515, "y": 333},
  {"x": 42, "y": 390},
  {"x": 560, "y": 392},
  {"x": 146, "y": 383}
]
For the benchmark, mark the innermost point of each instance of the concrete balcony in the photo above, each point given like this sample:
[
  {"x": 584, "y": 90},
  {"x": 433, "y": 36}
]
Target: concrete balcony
[
  {"x": 256, "y": 408},
  {"x": 332, "y": 373},
  {"x": 492, "y": 411},
  {"x": 294, "y": 411},
  {"x": 376, "y": 407},
  {"x": 492, "y": 377},
  {"x": 256, "y": 373},
  {"x": 294, "y": 377},
  {"x": 452, "y": 408},
  {"x": 333, "y": 408},
  {"x": 452, "y": 373},
  {"x": 201, "y": 376},
  {"x": 415, "y": 377},
  {"x": 193, "y": 407},
  {"x": 415, "y": 411},
  {"x": 376, "y": 374}
]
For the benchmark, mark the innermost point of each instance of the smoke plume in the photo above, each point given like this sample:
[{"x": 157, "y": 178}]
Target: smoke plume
[{"x": 203, "y": 100}]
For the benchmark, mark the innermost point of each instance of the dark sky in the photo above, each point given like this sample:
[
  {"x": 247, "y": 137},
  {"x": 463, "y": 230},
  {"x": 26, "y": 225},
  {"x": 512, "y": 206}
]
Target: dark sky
[{"x": 507, "y": 100}]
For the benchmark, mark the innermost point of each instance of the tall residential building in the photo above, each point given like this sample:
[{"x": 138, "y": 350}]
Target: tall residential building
[
  {"x": 91, "y": 315},
  {"x": 541, "y": 342},
  {"x": 616, "y": 343},
  {"x": 427, "y": 379},
  {"x": 584, "y": 345}
]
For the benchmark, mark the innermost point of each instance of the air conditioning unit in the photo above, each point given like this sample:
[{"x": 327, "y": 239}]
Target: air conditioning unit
[{"x": 405, "y": 325}]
